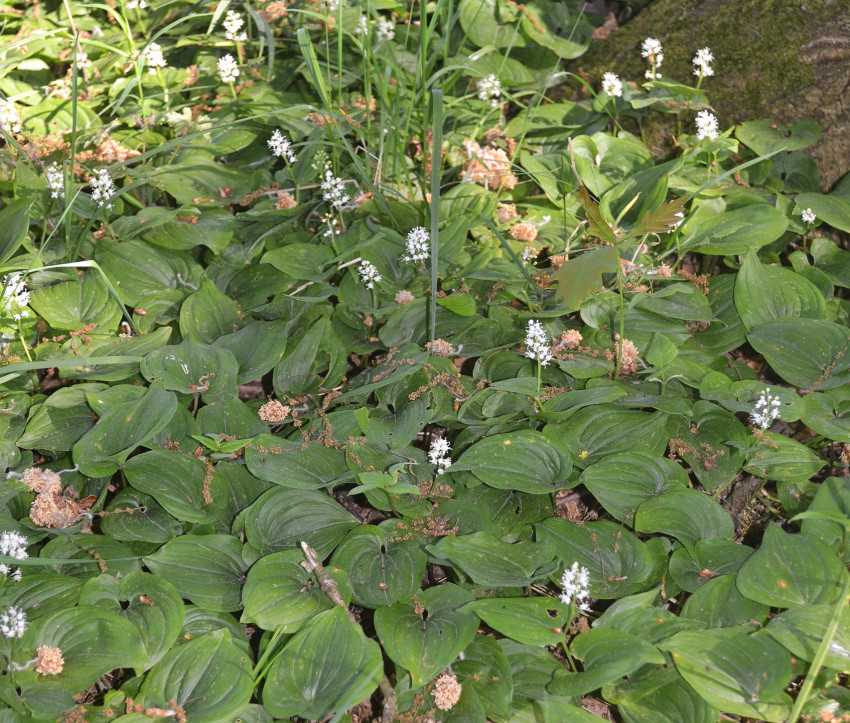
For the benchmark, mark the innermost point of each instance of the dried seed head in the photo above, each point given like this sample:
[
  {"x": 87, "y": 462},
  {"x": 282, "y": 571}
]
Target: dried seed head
[
  {"x": 49, "y": 661},
  {"x": 447, "y": 692},
  {"x": 39, "y": 480},
  {"x": 524, "y": 232},
  {"x": 274, "y": 411}
]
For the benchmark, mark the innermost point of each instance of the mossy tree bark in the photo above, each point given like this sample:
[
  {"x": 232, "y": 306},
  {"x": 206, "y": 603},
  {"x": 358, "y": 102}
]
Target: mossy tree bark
[{"x": 784, "y": 60}]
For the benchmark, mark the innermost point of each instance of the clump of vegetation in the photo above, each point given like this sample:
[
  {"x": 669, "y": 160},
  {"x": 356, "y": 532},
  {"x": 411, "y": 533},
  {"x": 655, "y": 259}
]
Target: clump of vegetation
[{"x": 346, "y": 375}]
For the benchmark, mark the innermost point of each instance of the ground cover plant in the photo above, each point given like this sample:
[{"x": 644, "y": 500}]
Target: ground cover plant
[{"x": 353, "y": 369}]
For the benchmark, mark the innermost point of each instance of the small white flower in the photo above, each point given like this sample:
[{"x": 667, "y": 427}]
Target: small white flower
[
  {"x": 386, "y": 30},
  {"x": 706, "y": 125},
  {"x": 333, "y": 224},
  {"x": 13, "y": 544},
  {"x": 232, "y": 25},
  {"x": 102, "y": 188},
  {"x": 334, "y": 190},
  {"x": 489, "y": 88},
  {"x": 439, "y": 454},
  {"x": 528, "y": 254},
  {"x": 808, "y": 216},
  {"x": 671, "y": 227},
  {"x": 15, "y": 297},
  {"x": 13, "y": 622},
  {"x": 702, "y": 62},
  {"x": 282, "y": 146},
  {"x": 418, "y": 245},
  {"x": 153, "y": 58},
  {"x": 576, "y": 582},
  {"x": 228, "y": 69},
  {"x": 10, "y": 120},
  {"x": 55, "y": 181},
  {"x": 362, "y": 27},
  {"x": 611, "y": 85},
  {"x": 766, "y": 410},
  {"x": 537, "y": 344},
  {"x": 331, "y": 6},
  {"x": 132, "y": 4},
  {"x": 369, "y": 274},
  {"x": 651, "y": 50}
]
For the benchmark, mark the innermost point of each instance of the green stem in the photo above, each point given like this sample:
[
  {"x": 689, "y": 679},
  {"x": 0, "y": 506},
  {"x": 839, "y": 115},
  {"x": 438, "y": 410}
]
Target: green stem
[
  {"x": 620, "y": 280},
  {"x": 436, "y": 164}
]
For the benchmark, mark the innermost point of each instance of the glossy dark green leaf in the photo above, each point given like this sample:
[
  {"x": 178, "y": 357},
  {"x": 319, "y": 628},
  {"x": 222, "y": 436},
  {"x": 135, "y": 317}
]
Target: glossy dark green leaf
[
  {"x": 425, "y": 635},
  {"x": 294, "y": 464},
  {"x": 764, "y": 136},
  {"x": 533, "y": 621},
  {"x": 71, "y": 305},
  {"x": 687, "y": 515},
  {"x": 258, "y": 347},
  {"x": 801, "y": 630},
  {"x": 60, "y": 420},
  {"x": 14, "y": 224},
  {"x": 775, "y": 456},
  {"x": 719, "y": 604},
  {"x": 193, "y": 368},
  {"x": 833, "y": 210},
  {"x": 328, "y": 666},
  {"x": 832, "y": 501},
  {"x": 734, "y": 232},
  {"x": 671, "y": 702},
  {"x": 207, "y": 314},
  {"x": 709, "y": 559},
  {"x": 486, "y": 669},
  {"x": 174, "y": 479}
]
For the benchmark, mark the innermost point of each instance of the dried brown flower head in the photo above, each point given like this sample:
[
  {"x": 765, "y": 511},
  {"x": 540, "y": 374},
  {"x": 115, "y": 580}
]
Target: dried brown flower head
[
  {"x": 285, "y": 201},
  {"x": 507, "y": 211},
  {"x": 524, "y": 232},
  {"x": 49, "y": 661},
  {"x": 490, "y": 167},
  {"x": 274, "y": 411},
  {"x": 440, "y": 347},
  {"x": 446, "y": 692},
  {"x": 404, "y": 297},
  {"x": 39, "y": 480}
]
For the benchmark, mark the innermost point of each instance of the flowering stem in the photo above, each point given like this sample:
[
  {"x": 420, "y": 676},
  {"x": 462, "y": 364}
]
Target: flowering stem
[
  {"x": 539, "y": 373},
  {"x": 21, "y": 336},
  {"x": 436, "y": 164},
  {"x": 620, "y": 280},
  {"x": 232, "y": 89}
]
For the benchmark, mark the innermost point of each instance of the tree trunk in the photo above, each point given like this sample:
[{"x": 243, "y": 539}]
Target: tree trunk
[{"x": 784, "y": 60}]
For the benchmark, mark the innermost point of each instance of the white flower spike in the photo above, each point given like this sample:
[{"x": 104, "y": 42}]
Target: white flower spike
[
  {"x": 439, "y": 454},
  {"x": 706, "y": 125},
  {"x": 576, "y": 582},
  {"x": 808, "y": 216},
  {"x": 612, "y": 86},
  {"x": 228, "y": 69},
  {"x": 766, "y": 410},
  {"x": 702, "y": 63},
  {"x": 418, "y": 245},
  {"x": 537, "y": 344},
  {"x": 282, "y": 146}
]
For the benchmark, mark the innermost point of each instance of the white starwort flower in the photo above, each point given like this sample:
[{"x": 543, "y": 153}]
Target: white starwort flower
[
  {"x": 528, "y": 253},
  {"x": 702, "y": 61},
  {"x": 362, "y": 27},
  {"x": 14, "y": 545},
  {"x": 489, "y": 88},
  {"x": 228, "y": 69},
  {"x": 418, "y": 245},
  {"x": 331, "y": 5},
  {"x": 386, "y": 30},
  {"x": 706, "y": 125},
  {"x": 808, "y": 216},
  {"x": 282, "y": 146},
  {"x": 15, "y": 297},
  {"x": 132, "y": 4},
  {"x": 102, "y": 188},
  {"x": 233, "y": 23},
  {"x": 334, "y": 190},
  {"x": 153, "y": 58},
  {"x": 55, "y": 181},
  {"x": 13, "y": 622},
  {"x": 671, "y": 227},
  {"x": 766, "y": 410},
  {"x": 537, "y": 344},
  {"x": 651, "y": 50},
  {"x": 439, "y": 454},
  {"x": 10, "y": 120},
  {"x": 576, "y": 582},
  {"x": 369, "y": 274},
  {"x": 611, "y": 85}
]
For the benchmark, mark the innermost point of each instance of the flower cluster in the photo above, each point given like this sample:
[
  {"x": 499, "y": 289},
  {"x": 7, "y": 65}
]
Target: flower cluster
[
  {"x": 55, "y": 181},
  {"x": 438, "y": 454},
  {"x": 447, "y": 692},
  {"x": 702, "y": 63},
  {"x": 808, "y": 216},
  {"x": 233, "y": 23},
  {"x": 490, "y": 167},
  {"x": 10, "y": 121},
  {"x": 537, "y": 345},
  {"x": 489, "y": 88},
  {"x": 228, "y": 69},
  {"x": 153, "y": 58},
  {"x": 706, "y": 125},
  {"x": 13, "y": 622},
  {"x": 334, "y": 190},
  {"x": 13, "y": 544},
  {"x": 15, "y": 297},
  {"x": 49, "y": 660},
  {"x": 418, "y": 245},
  {"x": 529, "y": 253},
  {"x": 282, "y": 146},
  {"x": 362, "y": 27},
  {"x": 651, "y": 50},
  {"x": 576, "y": 582},
  {"x": 612, "y": 86},
  {"x": 766, "y": 410},
  {"x": 369, "y": 274},
  {"x": 102, "y": 188},
  {"x": 386, "y": 30}
]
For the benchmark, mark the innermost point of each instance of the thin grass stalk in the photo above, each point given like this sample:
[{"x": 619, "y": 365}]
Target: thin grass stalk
[{"x": 436, "y": 167}]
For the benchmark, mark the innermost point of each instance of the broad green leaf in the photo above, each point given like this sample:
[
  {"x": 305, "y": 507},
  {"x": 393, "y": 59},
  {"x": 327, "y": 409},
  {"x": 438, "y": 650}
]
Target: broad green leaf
[
  {"x": 43, "y": 593},
  {"x": 213, "y": 229},
  {"x": 207, "y": 314},
  {"x": 300, "y": 372},
  {"x": 802, "y": 629},
  {"x": 14, "y": 224},
  {"x": 300, "y": 260},
  {"x": 767, "y": 293},
  {"x": 208, "y": 677},
  {"x": 327, "y": 667},
  {"x": 486, "y": 670},
  {"x": 808, "y": 353},
  {"x": 709, "y": 559},
  {"x": 532, "y": 669},
  {"x": 282, "y": 519},
  {"x": 620, "y": 483},
  {"x": 93, "y": 643},
  {"x": 503, "y": 513},
  {"x": 426, "y": 635},
  {"x": 533, "y": 621},
  {"x": 775, "y": 456},
  {"x": 832, "y": 260},
  {"x": 833, "y": 210},
  {"x": 60, "y": 420},
  {"x": 553, "y": 25},
  {"x": 523, "y": 460},
  {"x": 294, "y": 464},
  {"x": 122, "y": 428},
  {"x": 486, "y": 560},
  {"x": 582, "y": 275},
  {"x": 87, "y": 555},
  {"x": 619, "y": 563},
  {"x": 146, "y": 520},
  {"x": 719, "y": 604},
  {"x": 382, "y": 570},
  {"x": 672, "y": 702},
  {"x": 687, "y": 515},
  {"x": 174, "y": 479},
  {"x": 193, "y": 368},
  {"x": 279, "y": 593},
  {"x": 832, "y": 500},
  {"x": 791, "y": 570},
  {"x": 151, "y": 603},
  {"x": 258, "y": 347},
  {"x": 206, "y": 569},
  {"x": 822, "y": 413},
  {"x": 490, "y": 22},
  {"x": 733, "y": 232},
  {"x": 739, "y": 673},
  {"x": 764, "y": 136},
  {"x": 71, "y": 305}
]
